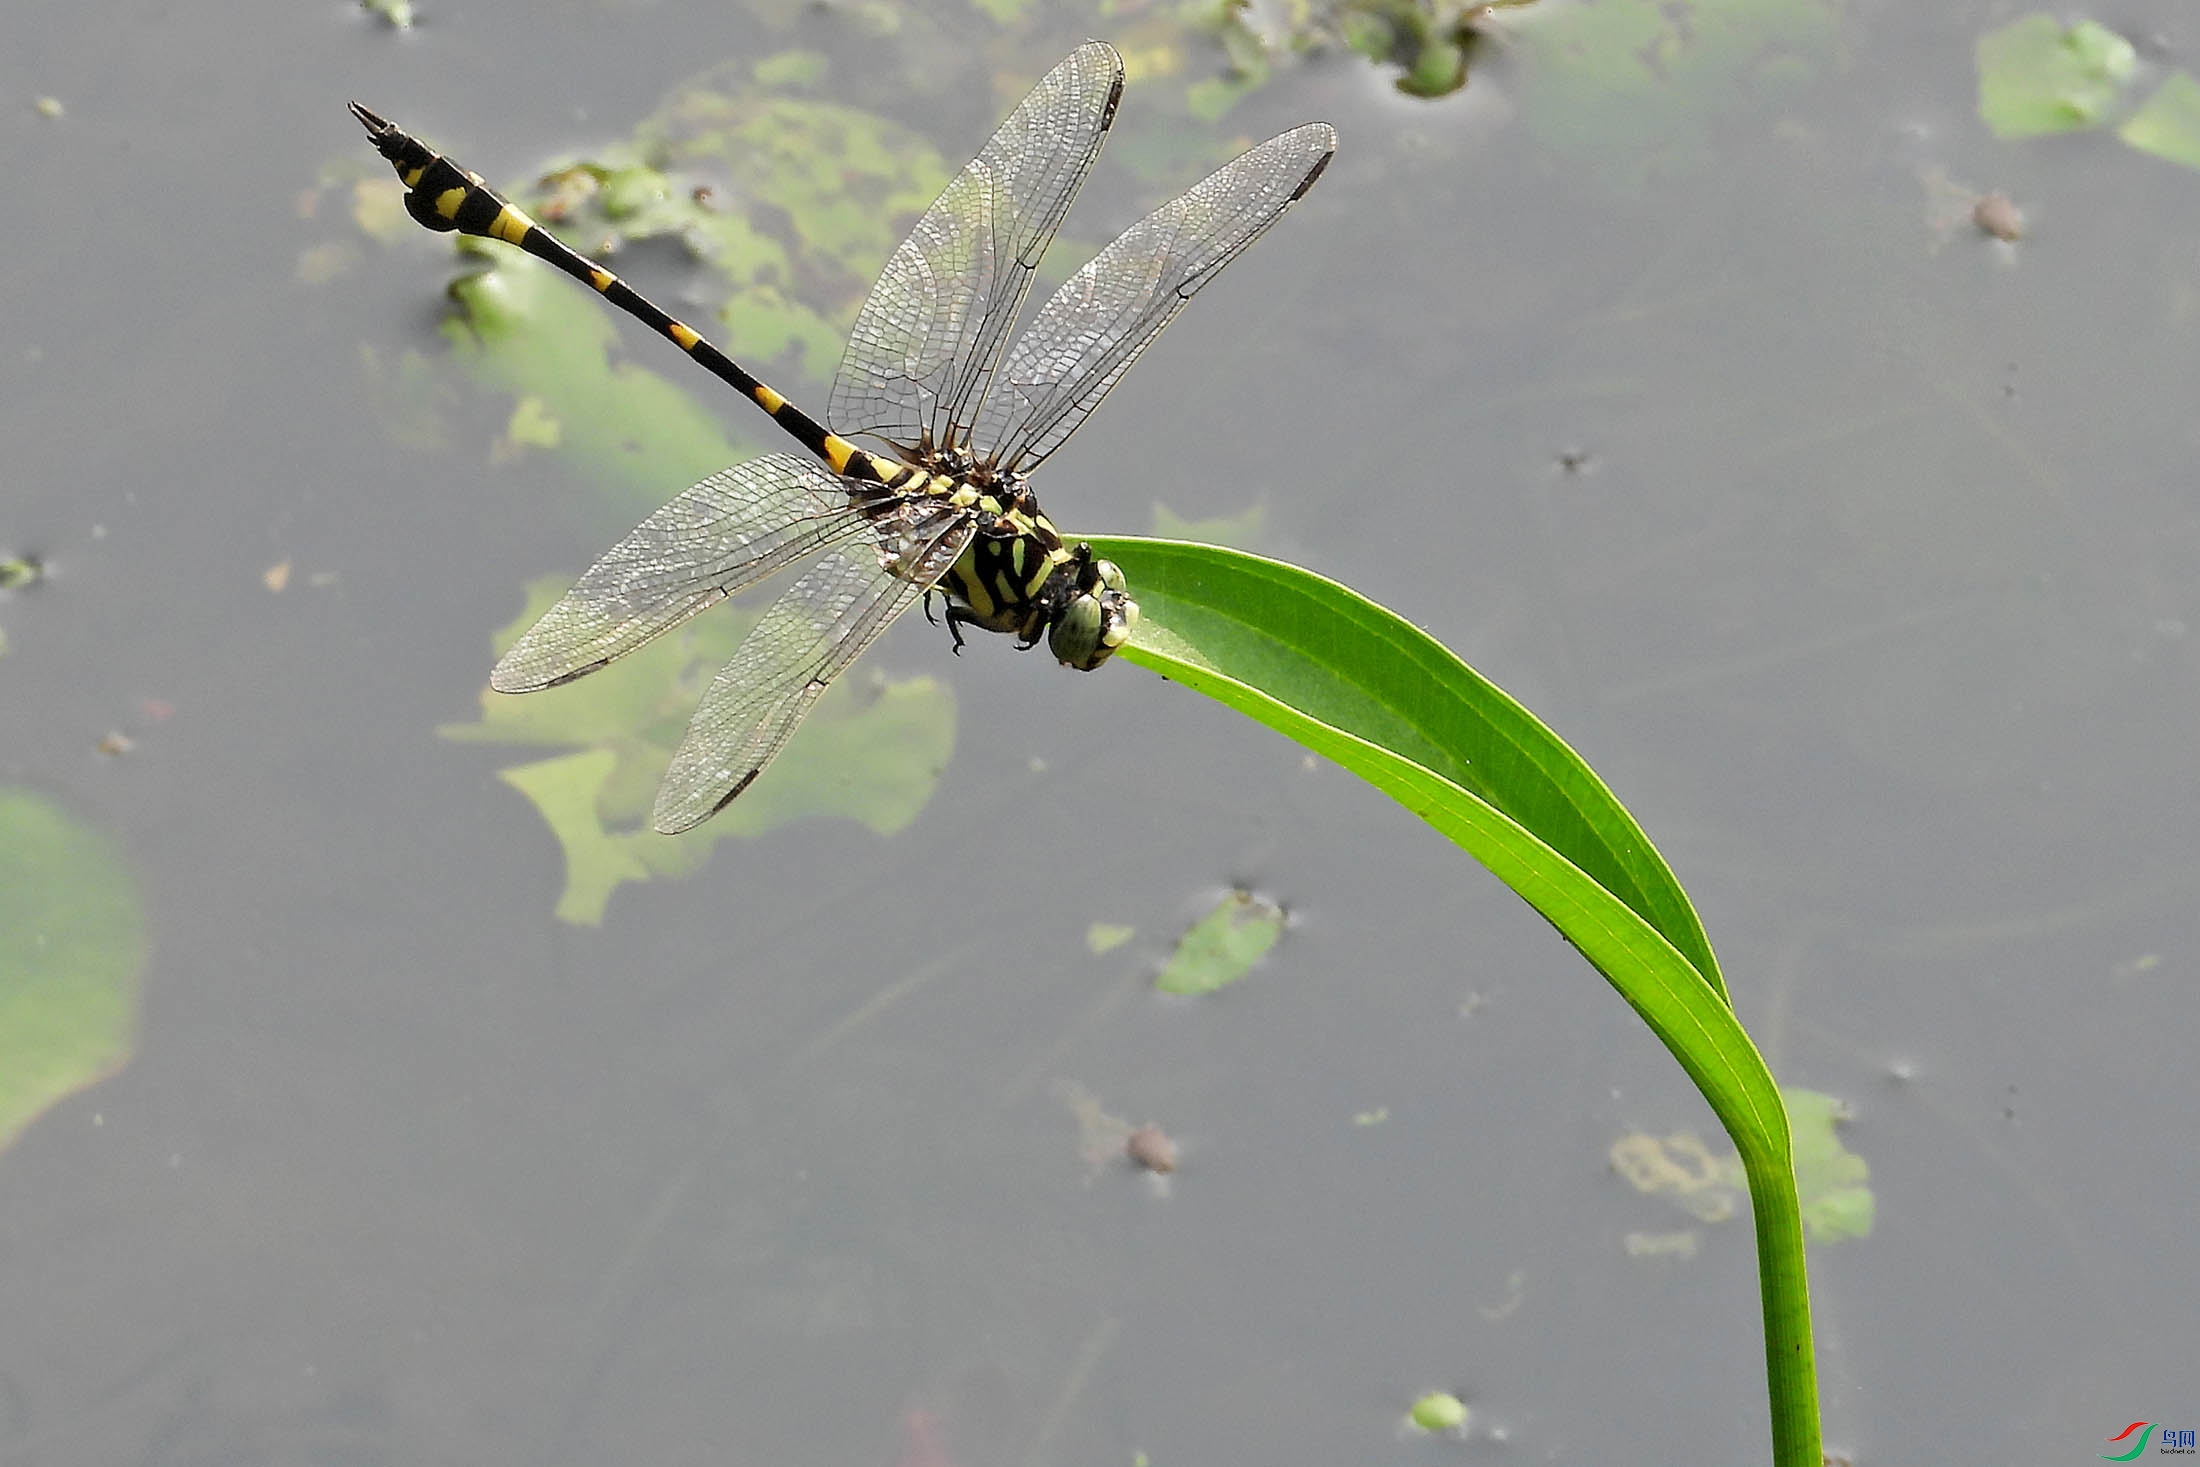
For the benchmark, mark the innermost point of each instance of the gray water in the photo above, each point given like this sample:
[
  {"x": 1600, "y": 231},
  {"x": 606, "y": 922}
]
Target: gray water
[{"x": 1855, "y": 549}]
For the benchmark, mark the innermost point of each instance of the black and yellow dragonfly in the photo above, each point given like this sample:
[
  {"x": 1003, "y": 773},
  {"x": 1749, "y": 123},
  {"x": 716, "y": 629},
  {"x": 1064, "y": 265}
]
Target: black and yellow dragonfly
[{"x": 964, "y": 418}]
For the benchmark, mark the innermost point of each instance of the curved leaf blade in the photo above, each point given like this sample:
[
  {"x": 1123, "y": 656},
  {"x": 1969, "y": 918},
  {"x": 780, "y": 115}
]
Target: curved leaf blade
[{"x": 1347, "y": 664}]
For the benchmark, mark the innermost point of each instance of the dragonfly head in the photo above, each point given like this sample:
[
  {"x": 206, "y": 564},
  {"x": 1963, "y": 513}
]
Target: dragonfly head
[{"x": 1096, "y": 618}]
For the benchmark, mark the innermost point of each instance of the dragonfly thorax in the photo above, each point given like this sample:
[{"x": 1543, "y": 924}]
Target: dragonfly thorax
[{"x": 1016, "y": 576}]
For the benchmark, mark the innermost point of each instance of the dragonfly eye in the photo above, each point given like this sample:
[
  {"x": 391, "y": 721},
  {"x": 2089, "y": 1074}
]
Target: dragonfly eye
[{"x": 1097, "y": 620}]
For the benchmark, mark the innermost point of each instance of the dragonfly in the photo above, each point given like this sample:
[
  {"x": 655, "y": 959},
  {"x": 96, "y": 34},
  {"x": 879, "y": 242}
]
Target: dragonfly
[{"x": 962, "y": 414}]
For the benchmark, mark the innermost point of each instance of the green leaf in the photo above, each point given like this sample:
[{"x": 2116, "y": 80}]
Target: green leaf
[
  {"x": 872, "y": 752},
  {"x": 1834, "y": 1181},
  {"x": 1105, "y": 937},
  {"x": 2168, "y": 126},
  {"x": 525, "y": 329},
  {"x": 1439, "y": 1411},
  {"x": 2036, "y": 77},
  {"x": 1369, "y": 690},
  {"x": 531, "y": 426},
  {"x": 794, "y": 70},
  {"x": 71, "y": 948},
  {"x": 566, "y": 791},
  {"x": 1223, "y": 945}
]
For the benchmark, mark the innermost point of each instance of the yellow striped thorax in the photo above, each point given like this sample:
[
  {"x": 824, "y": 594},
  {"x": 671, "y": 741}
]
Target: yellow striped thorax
[{"x": 1017, "y": 575}]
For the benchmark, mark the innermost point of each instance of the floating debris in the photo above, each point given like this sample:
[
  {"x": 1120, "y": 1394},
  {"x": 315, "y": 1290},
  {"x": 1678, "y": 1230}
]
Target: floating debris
[
  {"x": 1151, "y": 1148},
  {"x": 1997, "y": 216},
  {"x": 1439, "y": 1411},
  {"x": 1220, "y": 947},
  {"x": 1106, "y": 937}
]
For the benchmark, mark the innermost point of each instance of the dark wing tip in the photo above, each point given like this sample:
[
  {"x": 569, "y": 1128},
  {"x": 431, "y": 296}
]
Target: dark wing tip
[
  {"x": 1327, "y": 136},
  {"x": 665, "y": 819}
]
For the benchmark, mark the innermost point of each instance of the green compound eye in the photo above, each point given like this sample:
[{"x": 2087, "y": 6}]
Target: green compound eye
[{"x": 1096, "y": 621}]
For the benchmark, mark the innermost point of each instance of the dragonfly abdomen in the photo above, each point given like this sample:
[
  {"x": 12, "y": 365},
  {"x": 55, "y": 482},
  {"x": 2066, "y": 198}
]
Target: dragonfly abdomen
[{"x": 445, "y": 197}]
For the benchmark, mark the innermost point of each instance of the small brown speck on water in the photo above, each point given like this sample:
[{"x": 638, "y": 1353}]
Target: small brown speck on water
[
  {"x": 2000, "y": 218},
  {"x": 1151, "y": 1148}
]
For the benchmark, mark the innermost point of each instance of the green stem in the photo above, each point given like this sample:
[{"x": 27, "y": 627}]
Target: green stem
[{"x": 1782, "y": 1282}]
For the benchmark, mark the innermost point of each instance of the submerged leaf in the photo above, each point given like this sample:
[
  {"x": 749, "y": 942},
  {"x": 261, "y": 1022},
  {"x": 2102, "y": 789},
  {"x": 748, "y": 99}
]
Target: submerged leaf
[
  {"x": 566, "y": 790},
  {"x": 1831, "y": 1180},
  {"x": 1106, "y": 937},
  {"x": 1834, "y": 1182},
  {"x": 1221, "y": 946},
  {"x": 70, "y": 951},
  {"x": 2168, "y": 126},
  {"x": 523, "y": 328},
  {"x": 872, "y": 752},
  {"x": 2036, "y": 77},
  {"x": 1681, "y": 1169}
]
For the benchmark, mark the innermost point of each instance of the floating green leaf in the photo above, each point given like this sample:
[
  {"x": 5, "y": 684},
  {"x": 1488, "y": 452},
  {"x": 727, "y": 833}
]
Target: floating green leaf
[
  {"x": 1427, "y": 39},
  {"x": 2168, "y": 126},
  {"x": 1439, "y": 1411},
  {"x": 794, "y": 70},
  {"x": 1106, "y": 937},
  {"x": 1221, "y": 946},
  {"x": 532, "y": 425},
  {"x": 70, "y": 951},
  {"x": 1834, "y": 1181},
  {"x": 524, "y": 329},
  {"x": 2036, "y": 77}
]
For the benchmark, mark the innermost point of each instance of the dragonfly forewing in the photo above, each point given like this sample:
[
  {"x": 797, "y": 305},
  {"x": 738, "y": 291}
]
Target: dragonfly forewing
[
  {"x": 729, "y": 531},
  {"x": 806, "y": 639},
  {"x": 932, "y": 329},
  {"x": 1094, "y": 327}
]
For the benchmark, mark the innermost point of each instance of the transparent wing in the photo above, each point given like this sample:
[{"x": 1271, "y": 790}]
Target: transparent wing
[
  {"x": 808, "y": 637},
  {"x": 932, "y": 329},
  {"x": 1095, "y": 326},
  {"x": 729, "y": 531}
]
